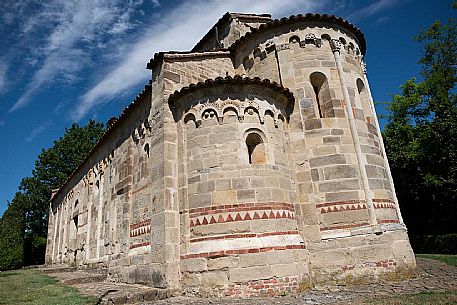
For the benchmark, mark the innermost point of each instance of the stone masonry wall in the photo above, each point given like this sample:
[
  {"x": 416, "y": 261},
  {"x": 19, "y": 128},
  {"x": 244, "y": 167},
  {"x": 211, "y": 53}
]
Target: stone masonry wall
[{"x": 235, "y": 188}]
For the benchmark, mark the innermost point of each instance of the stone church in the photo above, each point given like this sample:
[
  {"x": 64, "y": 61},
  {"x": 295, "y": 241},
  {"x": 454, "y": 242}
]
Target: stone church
[{"x": 252, "y": 164}]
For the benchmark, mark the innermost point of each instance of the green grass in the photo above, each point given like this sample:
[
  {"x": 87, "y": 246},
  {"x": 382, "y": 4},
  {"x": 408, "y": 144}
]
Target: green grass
[
  {"x": 422, "y": 298},
  {"x": 33, "y": 287},
  {"x": 450, "y": 259}
]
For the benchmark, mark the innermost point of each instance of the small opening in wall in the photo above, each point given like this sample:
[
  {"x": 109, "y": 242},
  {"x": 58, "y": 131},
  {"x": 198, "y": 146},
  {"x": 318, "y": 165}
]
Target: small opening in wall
[
  {"x": 317, "y": 80},
  {"x": 75, "y": 221},
  {"x": 97, "y": 184},
  {"x": 146, "y": 149},
  {"x": 343, "y": 41},
  {"x": 360, "y": 86},
  {"x": 326, "y": 37},
  {"x": 256, "y": 149},
  {"x": 294, "y": 39},
  {"x": 76, "y": 202}
]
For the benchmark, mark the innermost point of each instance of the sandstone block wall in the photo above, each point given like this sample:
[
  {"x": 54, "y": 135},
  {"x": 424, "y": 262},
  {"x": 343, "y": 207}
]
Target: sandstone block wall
[{"x": 213, "y": 180}]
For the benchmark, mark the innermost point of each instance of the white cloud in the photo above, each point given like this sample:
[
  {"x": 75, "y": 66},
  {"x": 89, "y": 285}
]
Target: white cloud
[
  {"x": 37, "y": 131},
  {"x": 179, "y": 29},
  {"x": 373, "y": 9},
  {"x": 3, "y": 70},
  {"x": 73, "y": 26}
]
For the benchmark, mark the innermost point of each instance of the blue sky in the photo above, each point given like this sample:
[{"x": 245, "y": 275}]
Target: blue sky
[{"x": 64, "y": 61}]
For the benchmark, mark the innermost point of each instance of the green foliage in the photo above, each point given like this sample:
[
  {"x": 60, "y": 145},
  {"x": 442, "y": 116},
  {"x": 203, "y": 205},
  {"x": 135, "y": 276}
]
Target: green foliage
[
  {"x": 33, "y": 287},
  {"x": 445, "y": 258},
  {"x": 421, "y": 136},
  {"x": 435, "y": 244},
  {"x": 12, "y": 234},
  {"x": 52, "y": 167}
]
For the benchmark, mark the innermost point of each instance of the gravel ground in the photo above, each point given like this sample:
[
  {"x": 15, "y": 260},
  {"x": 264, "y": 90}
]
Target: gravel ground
[{"x": 432, "y": 276}]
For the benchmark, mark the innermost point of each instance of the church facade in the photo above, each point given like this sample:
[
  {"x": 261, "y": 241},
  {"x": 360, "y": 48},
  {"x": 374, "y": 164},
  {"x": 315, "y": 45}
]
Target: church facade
[{"x": 251, "y": 165}]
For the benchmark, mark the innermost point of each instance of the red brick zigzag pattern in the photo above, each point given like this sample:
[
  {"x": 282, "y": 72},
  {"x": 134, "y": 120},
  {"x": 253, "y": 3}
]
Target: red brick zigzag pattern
[
  {"x": 249, "y": 215},
  {"x": 140, "y": 228}
]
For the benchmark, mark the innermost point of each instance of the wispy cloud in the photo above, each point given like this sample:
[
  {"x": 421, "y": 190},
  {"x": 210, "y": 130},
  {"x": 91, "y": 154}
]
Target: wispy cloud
[
  {"x": 374, "y": 8},
  {"x": 3, "y": 70},
  {"x": 72, "y": 28},
  {"x": 179, "y": 29},
  {"x": 37, "y": 131}
]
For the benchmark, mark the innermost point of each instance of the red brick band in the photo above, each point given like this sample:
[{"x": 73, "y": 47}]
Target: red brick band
[
  {"x": 349, "y": 226},
  {"x": 240, "y": 251},
  {"x": 239, "y": 208},
  {"x": 133, "y": 246},
  {"x": 242, "y": 235},
  {"x": 257, "y": 215},
  {"x": 326, "y": 204},
  {"x": 140, "y": 224},
  {"x": 388, "y": 221}
]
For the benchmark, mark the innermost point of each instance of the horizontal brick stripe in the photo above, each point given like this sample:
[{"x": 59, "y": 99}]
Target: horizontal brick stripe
[
  {"x": 241, "y": 216},
  {"x": 240, "y": 251},
  {"x": 140, "y": 228},
  {"x": 388, "y": 221},
  {"x": 386, "y": 205},
  {"x": 139, "y": 245},
  {"x": 238, "y": 208},
  {"x": 242, "y": 235},
  {"x": 326, "y": 204},
  {"x": 141, "y": 223},
  {"x": 332, "y": 203},
  {"x": 349, "y": 226},
  {"x": 383, "y": 200}
]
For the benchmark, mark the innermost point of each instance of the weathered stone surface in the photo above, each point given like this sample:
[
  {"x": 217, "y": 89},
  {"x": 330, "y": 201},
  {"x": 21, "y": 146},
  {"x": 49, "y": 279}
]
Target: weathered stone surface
[{"x": 216, "y": 183}]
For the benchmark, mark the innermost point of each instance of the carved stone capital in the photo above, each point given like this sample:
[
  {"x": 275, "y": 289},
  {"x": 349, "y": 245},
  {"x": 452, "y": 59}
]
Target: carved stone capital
[
  {"x": 284, "y": 46},
  {"x": 336, "y": 45},
  {"x": 364, "y": 67}
]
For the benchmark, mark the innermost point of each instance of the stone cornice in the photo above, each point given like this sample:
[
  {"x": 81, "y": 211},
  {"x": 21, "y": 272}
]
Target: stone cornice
[
  {"x": 160, "y": 56},
  {"x": 232, "y": 80},
  {"x": 331, "y": 19}
]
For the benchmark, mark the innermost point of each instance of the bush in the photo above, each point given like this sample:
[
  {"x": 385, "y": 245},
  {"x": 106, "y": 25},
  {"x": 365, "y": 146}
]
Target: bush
[{"x": 435, "y": 244}]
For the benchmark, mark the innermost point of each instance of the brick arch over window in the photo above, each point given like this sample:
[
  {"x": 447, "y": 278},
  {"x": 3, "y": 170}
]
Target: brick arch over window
[
  {"x": 256, "y": 148},
  {"x": 322, "y": 95}
]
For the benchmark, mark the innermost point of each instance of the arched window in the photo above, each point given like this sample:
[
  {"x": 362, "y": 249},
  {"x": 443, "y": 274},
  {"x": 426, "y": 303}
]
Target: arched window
[
  {"x": 256, "y": 149},
  {"x": 76, "y": 202},
  {"x": 294, "y": 39},
  {"x": 146, "y": 149},
  {"x": 322, "y": 94},
  {"x": 364, "y": 99}
]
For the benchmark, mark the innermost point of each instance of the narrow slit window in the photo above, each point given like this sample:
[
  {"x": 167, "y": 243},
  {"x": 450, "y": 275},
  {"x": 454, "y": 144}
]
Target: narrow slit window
[
  {"x": 321, "y": 94},
  {"x": 256, "y": 149}
]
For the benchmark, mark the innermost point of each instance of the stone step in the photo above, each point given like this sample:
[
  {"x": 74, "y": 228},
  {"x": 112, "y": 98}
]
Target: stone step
[
  {"x": 120, "y": 293},
  {"x": 50, "y": 270}
]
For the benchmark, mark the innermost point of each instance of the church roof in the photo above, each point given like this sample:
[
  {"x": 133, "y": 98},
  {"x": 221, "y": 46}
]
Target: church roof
[
  {"x": 226, "y": 18},
  {"x": 113, "y": 123}
]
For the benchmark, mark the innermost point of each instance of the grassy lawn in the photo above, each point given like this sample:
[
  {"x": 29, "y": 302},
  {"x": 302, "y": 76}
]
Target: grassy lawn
[
  {"x": 33, "y": 287},
  {"x": 422, "y": 298},
  {"x": 450, "y": 259}
]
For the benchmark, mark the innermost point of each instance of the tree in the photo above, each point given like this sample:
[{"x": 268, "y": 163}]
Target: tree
[
  {"x": 12, "y": 226},
  {"x": 421, "y": 136},
  {"x": 52, "y": 168}
]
